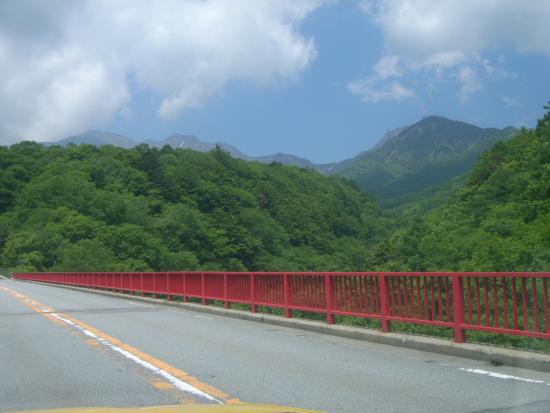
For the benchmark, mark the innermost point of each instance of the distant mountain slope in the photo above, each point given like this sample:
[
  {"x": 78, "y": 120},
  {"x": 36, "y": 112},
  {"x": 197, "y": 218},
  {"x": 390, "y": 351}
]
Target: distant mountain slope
[
  {"x": 99, "y": 138},
  {"x": 287, "y": 159},
  {"x": 407, "y": 164},
  {"x": 192, "y": 142},
  {"x": 498, "y": 221},
  {"x": 413, "y": 158}
]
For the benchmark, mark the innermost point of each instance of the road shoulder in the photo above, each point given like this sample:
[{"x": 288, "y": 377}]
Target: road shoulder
[{"x": 490, "y": 354}]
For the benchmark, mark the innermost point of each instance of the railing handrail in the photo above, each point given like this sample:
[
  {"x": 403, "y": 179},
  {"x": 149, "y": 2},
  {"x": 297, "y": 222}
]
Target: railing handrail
[{"x": 513, "y": 303}]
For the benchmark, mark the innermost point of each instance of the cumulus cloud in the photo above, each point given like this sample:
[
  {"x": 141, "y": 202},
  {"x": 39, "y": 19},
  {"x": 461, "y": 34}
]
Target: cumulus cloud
[
  {"x": 378, "y": 87},
  {"x": 386, "y": 67},
  {"x": 421, "y": 29},
  {"x": 450, "y": 36},
  {"x": 470, "y": 83},
  {"x": 511, "y": 101},
  {"x": 65, "y": 65},
  {"x": 369, "y": 91}
]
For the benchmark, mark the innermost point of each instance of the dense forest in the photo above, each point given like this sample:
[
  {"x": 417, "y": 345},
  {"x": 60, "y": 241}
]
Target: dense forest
[
  {"x": 499, "y": 220},
  {"x": 420, "y": 158},
  {"x": 106, "y": 208}
]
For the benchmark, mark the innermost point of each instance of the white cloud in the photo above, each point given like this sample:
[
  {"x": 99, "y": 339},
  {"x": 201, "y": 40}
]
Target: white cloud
[
  {"x": 470, "y": 83},
  {"x": 65, "y": 65},
  {"x": 420, "y": 29},
  {"x": 440, "y": 60},
  {"x": 451, "y": 36},
  {"x": 386, "y": 67},
  {"x": 377, "y": 87},
  {"x": 511, "y": 101},
  {"x": 369, "y": 91},
  {"x": 488, "y": 66}
]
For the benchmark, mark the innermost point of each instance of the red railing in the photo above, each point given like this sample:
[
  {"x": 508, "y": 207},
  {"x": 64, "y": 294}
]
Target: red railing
[{"x": 503, "y": 303}]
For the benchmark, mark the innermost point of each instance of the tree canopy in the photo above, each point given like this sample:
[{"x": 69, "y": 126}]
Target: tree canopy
[
  {"x": 106, "y": 208},
  {"x": 498, "y": 221}
]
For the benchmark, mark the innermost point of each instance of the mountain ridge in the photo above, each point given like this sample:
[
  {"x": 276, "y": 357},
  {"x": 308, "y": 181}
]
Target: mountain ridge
[
  {"x": 406, "y": 160},
  {"x": 178, "y": 140},
  {"x": 428, "y": 152}
]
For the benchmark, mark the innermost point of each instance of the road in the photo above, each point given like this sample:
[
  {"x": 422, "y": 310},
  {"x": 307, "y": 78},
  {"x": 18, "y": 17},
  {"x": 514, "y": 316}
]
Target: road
[{"x": 64, "y": 348}]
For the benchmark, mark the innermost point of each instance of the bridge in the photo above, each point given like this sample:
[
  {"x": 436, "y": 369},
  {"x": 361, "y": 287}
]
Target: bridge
[{"x": 63, "y": 348}]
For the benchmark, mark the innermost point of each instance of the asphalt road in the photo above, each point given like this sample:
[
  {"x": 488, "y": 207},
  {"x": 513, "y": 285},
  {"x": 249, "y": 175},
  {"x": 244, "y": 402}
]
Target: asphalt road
[{"x": 62, "y": 348}]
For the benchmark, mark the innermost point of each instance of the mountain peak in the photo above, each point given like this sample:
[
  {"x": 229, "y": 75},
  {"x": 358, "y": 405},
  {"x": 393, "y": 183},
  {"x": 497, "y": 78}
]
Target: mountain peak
[
  {"x": 437, "y": 121},
  {"x": 419, "y": 155},
  {"x": 98, "y": 138},
  {"x": 431, "y": 118},
  {"x": 178, "y": 140}
]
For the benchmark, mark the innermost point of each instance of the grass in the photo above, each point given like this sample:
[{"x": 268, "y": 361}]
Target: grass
[{"x": 500, "y": 340}]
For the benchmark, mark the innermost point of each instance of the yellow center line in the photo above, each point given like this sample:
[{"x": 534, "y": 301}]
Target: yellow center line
[{"x": 173, "y": 376}]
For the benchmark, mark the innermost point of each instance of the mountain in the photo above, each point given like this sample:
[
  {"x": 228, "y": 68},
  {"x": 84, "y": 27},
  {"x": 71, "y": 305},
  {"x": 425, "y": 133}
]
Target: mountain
[
  {"x": 414, "y": 158},
  {"x": 418, "y": 165},
  {"x": 97, "y": 138},
  {"x": 499, "y": 220},
  {"x": 192, "y": 142},
  {"x": 287, "y": 159}
]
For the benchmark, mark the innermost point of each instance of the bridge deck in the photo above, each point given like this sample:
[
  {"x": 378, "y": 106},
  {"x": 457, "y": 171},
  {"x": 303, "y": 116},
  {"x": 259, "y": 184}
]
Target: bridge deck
[{"x": 74, "y": 360}]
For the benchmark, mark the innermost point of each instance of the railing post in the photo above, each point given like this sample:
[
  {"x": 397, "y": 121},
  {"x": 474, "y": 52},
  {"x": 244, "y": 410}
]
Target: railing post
[
  {"x": 458, "y": 306},
  {"x": 385, "y": 304},
  {"x": 253, "y": 306},
  {"x": 225, "y": 303},
  {"x": 168, "y": 286},
  {"x": 203, "y": 289},
  {"x": 154, "y": 285},
  {"x": 185, "y": 298},
  {"x": 141, "y": 284},
  {"x": 329, "y": 291},
  {"x": 286, "y": 293}
]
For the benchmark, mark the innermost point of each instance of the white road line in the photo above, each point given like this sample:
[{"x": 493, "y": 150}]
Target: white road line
[
  {"x": 203, "y": 317},
  {"x": 502, "y": 376},
  {"x": 178, "y": 383}
]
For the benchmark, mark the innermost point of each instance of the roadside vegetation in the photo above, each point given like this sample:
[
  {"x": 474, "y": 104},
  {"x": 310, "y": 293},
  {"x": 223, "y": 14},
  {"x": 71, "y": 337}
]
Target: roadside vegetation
[{"x": 498, "y": 221}]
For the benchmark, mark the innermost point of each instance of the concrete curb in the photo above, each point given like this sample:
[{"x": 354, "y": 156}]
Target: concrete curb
[{"x": 494, "y": 355}]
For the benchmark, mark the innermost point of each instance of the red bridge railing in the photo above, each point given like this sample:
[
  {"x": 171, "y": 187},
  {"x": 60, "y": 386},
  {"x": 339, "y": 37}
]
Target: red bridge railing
[{"x": 504, "y": 303}]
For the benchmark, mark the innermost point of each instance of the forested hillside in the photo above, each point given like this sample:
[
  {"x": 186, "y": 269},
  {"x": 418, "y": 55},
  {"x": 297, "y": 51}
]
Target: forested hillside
[
  {"x": 498, "y": 221},
  {"x": 107, "y": 208},
  {"x": 431, "y": 153}
]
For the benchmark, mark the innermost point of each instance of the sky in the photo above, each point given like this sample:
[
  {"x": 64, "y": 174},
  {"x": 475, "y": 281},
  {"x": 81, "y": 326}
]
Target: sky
[{"x": 320, "y": 79}]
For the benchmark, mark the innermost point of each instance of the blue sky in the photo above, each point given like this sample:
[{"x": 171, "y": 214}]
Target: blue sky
[{"x": 321, "y": 80}]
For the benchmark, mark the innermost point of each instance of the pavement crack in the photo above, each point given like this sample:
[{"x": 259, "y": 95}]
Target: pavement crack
[{"x": 85, "y": 311}]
